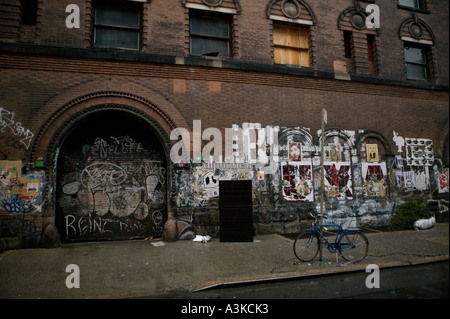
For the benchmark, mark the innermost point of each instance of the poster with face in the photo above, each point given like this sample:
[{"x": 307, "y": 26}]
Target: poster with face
[
  {"x": 372, "y": 152},
  {"x": 297, "y": 181},
  {"x": 295, "y": 152},
  {"x": 334, "y": 152}
]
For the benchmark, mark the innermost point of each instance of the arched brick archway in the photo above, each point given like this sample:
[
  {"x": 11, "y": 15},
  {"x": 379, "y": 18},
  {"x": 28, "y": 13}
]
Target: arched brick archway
[
  {"x": 66, "y": 119},
  {"x": 110, "y": 173}
]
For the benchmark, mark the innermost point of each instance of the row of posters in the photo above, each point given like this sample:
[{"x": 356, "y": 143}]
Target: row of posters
[
  {"x": 334, "y": 153},
  {"x": 298, "y": 180}
]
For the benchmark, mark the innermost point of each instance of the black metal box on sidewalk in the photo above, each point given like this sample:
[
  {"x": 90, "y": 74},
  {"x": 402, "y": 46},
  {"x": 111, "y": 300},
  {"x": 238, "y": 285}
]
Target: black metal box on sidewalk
[{"x": 235, "y": 211}]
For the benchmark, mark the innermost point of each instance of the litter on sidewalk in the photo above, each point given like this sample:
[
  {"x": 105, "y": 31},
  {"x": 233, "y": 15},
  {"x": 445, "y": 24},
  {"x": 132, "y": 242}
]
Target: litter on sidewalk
[
  {"x": 159, "y": 243},
  {"x": 202, "y": 239}
]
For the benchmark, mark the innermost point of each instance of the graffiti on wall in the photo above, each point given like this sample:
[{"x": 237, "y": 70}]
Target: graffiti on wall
[
  {"x": 419, "y": 152},
  {"x": 347, "y": 175},
  {"x": 20, "y": 193},
  {"x": 443, "y": 181},
  {"x": 197, "y": 186},
  {"x": 8, "y": 125},
  {"x": 116, "y": 187}
]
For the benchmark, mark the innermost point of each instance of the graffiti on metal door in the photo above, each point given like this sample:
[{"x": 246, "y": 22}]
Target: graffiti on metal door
[{"x": 112, "y": 188}]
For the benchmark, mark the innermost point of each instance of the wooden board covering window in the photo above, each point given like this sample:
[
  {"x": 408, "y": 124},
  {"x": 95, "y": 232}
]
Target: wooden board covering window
[{"x": 291, "y": 45}]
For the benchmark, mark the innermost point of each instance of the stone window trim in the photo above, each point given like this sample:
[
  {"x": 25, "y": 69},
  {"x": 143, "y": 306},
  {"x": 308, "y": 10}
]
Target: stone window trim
[
  {"x": 416, "y": 34},
  {"x": 291, "y": 17}
]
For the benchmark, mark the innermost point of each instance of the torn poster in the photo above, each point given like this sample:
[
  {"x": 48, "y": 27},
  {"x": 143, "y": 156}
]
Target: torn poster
[
  {"x": 374, "y": 175},
  {"x": 410, "y": 181},
  {"x": 297, "y": 181},
  {"x": 338, "y": 180}
]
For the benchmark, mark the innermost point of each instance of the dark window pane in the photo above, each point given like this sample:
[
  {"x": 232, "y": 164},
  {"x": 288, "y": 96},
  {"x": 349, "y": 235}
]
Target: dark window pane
[
  {"x": 416, "y": 72},
  {"x": 348, "y": 44},
  {"x": 370, "y": 47},
  {"x": 212, "y": 47},
  {"x": 409, "y": 3},
  {"x": 211, "y": 27},
  {"x": 125, "y": 39},
  {"x": 414, "y": 55},
  {"x": 29, "y": 11},
  {"x": 117, "y": 17}
]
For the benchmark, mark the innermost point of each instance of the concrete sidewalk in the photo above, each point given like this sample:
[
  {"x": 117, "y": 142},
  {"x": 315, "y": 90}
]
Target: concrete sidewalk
[{"x": 132, "y": 269}]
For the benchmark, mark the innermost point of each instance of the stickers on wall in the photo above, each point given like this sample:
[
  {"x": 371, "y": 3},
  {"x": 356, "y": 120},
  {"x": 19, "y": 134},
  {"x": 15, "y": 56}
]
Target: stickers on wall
[
  {"x": 419, "y": 152},
  {"x": 20, "y": 193}
]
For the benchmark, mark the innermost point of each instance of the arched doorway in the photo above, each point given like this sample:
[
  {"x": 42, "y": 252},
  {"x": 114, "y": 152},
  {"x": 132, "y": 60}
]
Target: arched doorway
[{"x": 111, "y": 179}]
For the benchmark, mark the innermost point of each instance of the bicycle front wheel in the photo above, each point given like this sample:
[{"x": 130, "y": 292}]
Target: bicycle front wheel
[
  {"x": 306, "y": 246},
  {"x": 353, "y": 245}
]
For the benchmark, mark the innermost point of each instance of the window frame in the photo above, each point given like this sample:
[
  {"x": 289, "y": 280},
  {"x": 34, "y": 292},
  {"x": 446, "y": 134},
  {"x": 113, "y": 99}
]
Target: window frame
[
  {"x": 136, "y": 8},
  {"x": 420, "y": 6},
  {"x": 227, "y": 18},
  {"x": 425, "y": 65},
  {"x": 299, "y": 27}
]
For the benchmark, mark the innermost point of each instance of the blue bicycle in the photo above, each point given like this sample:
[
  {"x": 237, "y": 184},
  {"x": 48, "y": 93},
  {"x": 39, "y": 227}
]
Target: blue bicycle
[{"x": 351, "y": 244}]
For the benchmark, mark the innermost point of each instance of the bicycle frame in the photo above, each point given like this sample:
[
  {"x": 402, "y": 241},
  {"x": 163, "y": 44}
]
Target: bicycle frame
[
  {"x": 351, "y": 243},
  {"x": 339, "y": 233}
]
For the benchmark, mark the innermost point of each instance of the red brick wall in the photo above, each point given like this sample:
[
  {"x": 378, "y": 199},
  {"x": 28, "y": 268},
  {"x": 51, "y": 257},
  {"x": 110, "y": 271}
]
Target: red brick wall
[
  {"x": 45, "y": 86},
  {"x": 165, "y": 25}
]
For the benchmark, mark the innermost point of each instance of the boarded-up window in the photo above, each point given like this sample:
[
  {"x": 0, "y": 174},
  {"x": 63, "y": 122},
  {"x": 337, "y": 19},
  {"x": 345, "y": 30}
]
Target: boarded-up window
[
  {"x": 210, "y": 35},
  {"x": 117, "y": 26},
  {"x": 291, "y": 45}
]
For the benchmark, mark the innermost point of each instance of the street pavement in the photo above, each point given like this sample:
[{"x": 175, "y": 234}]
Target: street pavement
[{"x": 152, "y": 268}]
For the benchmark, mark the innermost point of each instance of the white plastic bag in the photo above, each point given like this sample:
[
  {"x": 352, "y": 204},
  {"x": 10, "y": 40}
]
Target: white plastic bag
[
  {"x": 424, "y": 223},
  {"x": 202, "y": 239}
]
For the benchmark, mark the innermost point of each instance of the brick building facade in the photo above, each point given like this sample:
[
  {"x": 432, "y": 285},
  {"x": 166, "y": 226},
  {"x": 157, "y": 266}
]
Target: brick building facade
[{"x": 91, "y": 92}]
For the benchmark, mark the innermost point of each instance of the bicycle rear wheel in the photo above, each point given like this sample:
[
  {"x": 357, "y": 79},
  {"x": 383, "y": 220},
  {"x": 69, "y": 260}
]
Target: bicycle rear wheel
[
  {"x": 306, "y": 246},
  {"x": 353, "y": 245}
]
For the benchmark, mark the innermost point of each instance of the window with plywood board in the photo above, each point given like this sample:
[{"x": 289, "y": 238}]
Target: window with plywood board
[{"x": 291, "y": 45}]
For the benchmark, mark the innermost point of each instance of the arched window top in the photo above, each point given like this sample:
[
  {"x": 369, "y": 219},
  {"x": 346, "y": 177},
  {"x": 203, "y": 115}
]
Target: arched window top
[
  {"x": 414, "y": 29},
  {"x": 226, "y": 6},
  {"x": 294, "y": 11},
  {"x": 354, "y": 18}
]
